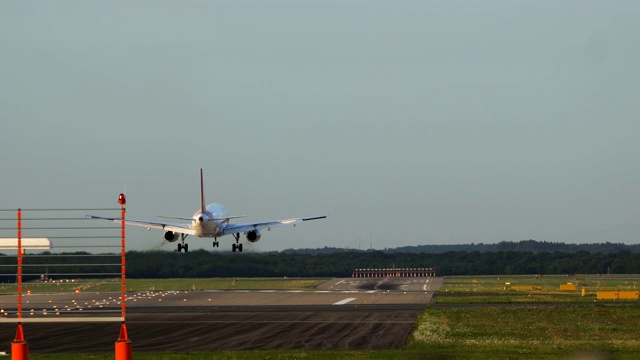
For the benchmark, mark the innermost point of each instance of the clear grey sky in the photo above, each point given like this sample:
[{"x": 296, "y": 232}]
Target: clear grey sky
[{"x": 410, "y": 122}]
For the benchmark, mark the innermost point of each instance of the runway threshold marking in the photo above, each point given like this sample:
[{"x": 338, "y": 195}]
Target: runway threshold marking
[{"x": 342, "y": 302}]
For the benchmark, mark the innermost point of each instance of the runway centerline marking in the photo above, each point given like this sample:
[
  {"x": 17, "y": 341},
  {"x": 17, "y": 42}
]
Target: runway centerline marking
[{"x": 342, "y": 302}]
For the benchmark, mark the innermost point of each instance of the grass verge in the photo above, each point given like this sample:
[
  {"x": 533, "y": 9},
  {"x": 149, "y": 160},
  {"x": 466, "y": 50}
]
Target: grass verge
[
  {"x": 547, "y": 332},
  {"x": 114, "y": 285}
]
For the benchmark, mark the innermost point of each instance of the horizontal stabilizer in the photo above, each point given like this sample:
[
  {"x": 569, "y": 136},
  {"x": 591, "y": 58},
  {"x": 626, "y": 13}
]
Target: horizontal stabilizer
[
  {"x": 230, "y": 217},
  {"x": 176, "y": 218},
  {"x": 191, "y": 219}
]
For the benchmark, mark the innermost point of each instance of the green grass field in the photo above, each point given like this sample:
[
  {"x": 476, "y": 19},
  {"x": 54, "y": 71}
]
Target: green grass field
[
  {"x": 549, "y": 332},
  {"x": 114, "y": 285},
  {"x": 530, "y": 288},
  {"x": 564, "y": 326}
]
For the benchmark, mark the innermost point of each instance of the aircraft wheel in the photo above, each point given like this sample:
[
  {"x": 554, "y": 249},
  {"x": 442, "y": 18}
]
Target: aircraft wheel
[
  {"x": 186, "y": 247},
  {"x": 233, "y": 247},
  {"x": 179, "y": 247},
  {"x": 240, "y": 247}
]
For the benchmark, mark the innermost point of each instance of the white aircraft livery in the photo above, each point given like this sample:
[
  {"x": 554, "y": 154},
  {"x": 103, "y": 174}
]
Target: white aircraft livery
[{"x": 210, "y": 221}]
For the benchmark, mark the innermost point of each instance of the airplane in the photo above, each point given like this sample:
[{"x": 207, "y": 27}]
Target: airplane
[{"x": 210, "y": 221}]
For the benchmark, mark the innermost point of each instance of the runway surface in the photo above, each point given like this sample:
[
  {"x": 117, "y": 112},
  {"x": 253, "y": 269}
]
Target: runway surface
[{"x": 350, "y": 313}]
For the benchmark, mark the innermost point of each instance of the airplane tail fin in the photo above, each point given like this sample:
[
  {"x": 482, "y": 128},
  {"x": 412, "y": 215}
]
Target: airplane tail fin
[{"x": 202, "y": 205}]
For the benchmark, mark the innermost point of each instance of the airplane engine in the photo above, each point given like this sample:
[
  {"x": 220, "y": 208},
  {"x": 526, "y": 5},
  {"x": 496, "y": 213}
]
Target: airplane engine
[
  {"x": 170, "y": 236},
  {"x": 253, "y": 236}
]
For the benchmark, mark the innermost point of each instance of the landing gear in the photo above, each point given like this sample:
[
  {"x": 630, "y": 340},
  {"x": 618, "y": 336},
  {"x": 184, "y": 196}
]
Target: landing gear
[
  {"x": 182, "y": 245},
  {"x": 237, "y": 245},
  {"x": 216, "y": 243}
]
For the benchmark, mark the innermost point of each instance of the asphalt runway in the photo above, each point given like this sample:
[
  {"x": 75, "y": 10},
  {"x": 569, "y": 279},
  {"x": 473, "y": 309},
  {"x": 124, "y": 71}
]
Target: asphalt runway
[{"x": 350, "y": 313}]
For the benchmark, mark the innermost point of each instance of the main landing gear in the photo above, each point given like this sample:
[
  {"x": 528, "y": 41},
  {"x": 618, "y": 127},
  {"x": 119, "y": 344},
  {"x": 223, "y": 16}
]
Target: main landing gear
[
  {"x": 182, "y": 245},
  {"x": 237, "y": 245}
]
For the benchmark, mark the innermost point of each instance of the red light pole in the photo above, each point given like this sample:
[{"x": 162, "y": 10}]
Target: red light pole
[
  {"x": 19, "y": 346},
  {"x": 123, "y": 345}
]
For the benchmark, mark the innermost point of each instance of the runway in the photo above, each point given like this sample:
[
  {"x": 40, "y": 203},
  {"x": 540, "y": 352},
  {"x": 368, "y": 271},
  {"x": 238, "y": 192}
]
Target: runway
[{"x": 363, "y": 313}]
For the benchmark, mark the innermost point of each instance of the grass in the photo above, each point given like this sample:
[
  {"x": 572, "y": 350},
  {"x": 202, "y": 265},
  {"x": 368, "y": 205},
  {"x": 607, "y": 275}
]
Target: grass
[
  {"x": 524, "y": 332},
  {"x": 114, "y": 285},
  {"x": 224, "y": 284},
  {"x": 530, "y": 288}
]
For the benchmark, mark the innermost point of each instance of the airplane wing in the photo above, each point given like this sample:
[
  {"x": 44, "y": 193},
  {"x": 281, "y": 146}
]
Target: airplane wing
[
  {"x": 241, "y": 228},
  {"x": 178, "y": 228}
]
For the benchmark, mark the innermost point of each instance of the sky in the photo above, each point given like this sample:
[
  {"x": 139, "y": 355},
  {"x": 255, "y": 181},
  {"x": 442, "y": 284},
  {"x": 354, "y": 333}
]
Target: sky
[{"x": 407, "y": 122}]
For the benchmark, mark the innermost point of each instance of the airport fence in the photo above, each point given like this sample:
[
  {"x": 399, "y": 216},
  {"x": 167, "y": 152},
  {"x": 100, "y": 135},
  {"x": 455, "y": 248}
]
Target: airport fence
[{"x": 59, "y": 265}]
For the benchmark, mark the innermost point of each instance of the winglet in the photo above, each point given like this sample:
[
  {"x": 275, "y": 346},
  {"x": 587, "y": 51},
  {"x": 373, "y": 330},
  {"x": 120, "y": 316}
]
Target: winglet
[{"x": 202, "y": 206}]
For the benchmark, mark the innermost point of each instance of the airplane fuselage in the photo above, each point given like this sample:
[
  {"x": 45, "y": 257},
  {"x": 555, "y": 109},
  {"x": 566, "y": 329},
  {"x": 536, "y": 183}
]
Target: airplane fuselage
[{"x": 205, "y": 224}]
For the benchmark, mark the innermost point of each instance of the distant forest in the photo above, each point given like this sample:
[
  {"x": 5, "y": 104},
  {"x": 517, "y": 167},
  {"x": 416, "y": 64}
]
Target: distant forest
[
  {"x": 522, "y": 246},
  {"x": 506, "y": 258}
]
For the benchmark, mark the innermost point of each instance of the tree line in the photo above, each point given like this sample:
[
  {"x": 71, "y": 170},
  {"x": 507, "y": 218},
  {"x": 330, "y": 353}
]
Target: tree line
[
  {"x": 524, "y": 245},
  {"x": 207, "y": 264},
  {"x": 326, "y": 263}
]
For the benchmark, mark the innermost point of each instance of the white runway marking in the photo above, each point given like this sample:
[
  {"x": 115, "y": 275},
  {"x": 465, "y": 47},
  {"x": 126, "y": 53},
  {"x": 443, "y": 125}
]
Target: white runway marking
[
  {"x": 342, "y": 302},
  {"x": 426, "y": 285}
]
